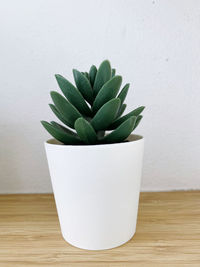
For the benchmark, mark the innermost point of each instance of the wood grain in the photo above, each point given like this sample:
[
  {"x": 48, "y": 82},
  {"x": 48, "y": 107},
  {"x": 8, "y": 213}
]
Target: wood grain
[{"x": 168, "y": 234}]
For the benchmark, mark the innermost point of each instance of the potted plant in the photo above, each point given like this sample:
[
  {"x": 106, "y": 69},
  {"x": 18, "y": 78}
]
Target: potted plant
[{"x": 95, "y": 174}]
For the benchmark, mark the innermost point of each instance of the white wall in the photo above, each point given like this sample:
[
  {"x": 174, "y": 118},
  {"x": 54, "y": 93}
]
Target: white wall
[{"x": 155, "y": 45}]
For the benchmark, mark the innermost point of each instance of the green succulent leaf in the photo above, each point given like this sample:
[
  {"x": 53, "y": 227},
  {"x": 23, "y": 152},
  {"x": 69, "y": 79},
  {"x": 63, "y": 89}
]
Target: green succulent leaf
[
  {"x": 102, "y": 76},
  {"x": 137, "y": 121},
  {"x": 61, "y": 127},
  {"x": 87, "y": 75},
  {"x": 57, "y": 113},
  {"x": 73, "y": 95},
  {"x": 121, "y": 110},
  {"x": 121, "y": 133},
  {"x": 113, "y": 72},
  {"x": 83, "y": 85},
  {"x": 60, "y": 135},
  {"x": 135, "y": 112},
  {"x": 85, "y": 131},
  {"x": 106, "y": 114},
  {"x": 92, "y": 74},
  {"x": 107, "y": 92},
  {"x": 66, "y": 109},
  {"x": 122, "y": 95}
]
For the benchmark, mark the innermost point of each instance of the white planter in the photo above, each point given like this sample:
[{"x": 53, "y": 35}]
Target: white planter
[{"x": 96, "y": 190}]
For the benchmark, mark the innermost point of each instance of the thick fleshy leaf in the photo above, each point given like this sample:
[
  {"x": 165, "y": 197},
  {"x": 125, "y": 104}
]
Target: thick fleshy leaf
[
  {"x": 113, "y": 72},
  {"x": 119, "y": 121},
  {"x": 61, "y": 127},
  {"x": 122, "y": 95},
  {"x": 102, "y": 76},
  {"x": 87, "y": 75},
  {"x": 92, "y": 74},
  {"x": 108, "y": 91},
  {"x": 106, "y": 114},
  {"x": 57, "y": 113},
  {"x": 73, "y": 95},
  {"x": 121, "y": 133},
  {"x": 121, "y": 110},
  {"x": 60, "y": 135},
  {"x": 83, "y": 86},
  {"x": 85, "y": 131},
  {"x": 66, "y": 109},
  {"x": 137, "y": 121}
]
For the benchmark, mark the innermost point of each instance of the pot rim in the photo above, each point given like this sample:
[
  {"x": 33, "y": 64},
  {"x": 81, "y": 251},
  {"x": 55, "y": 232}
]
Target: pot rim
[{"x": 133, "y": 138}]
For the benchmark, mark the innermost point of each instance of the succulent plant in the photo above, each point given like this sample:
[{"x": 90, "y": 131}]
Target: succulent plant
[{"x": 91, "y": 108}]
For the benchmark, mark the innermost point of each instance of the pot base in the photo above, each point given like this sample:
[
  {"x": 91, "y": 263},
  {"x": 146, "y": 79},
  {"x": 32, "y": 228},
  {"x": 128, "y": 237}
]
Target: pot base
[{"x": 78, "y": 245}]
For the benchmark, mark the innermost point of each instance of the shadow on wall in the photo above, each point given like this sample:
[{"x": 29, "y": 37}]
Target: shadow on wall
[{"x": 21, "y": 155}]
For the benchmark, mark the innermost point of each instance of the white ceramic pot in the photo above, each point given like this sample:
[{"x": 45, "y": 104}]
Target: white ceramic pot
[{"x": 96, "y": 189}]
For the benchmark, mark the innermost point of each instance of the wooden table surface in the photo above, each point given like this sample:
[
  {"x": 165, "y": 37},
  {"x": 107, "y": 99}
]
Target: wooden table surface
[{"x": 168, "y": 234}]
